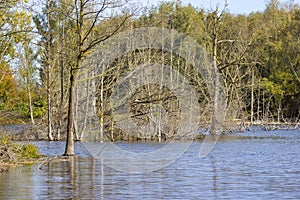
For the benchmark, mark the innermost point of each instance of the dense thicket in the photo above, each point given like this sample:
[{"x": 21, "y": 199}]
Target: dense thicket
[{"x": 41, "y": 51}]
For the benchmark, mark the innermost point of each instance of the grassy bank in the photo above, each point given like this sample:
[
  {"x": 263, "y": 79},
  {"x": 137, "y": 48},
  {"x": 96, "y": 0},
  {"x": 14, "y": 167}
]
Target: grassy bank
[{"x": 14, "y": 153}]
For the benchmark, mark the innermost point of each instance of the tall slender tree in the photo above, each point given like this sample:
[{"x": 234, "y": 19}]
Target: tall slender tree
[{"x": 88, "y": 34}]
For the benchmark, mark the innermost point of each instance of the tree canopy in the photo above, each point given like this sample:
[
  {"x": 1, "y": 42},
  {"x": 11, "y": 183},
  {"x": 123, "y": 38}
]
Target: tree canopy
[{"x": 41, "y": 52}]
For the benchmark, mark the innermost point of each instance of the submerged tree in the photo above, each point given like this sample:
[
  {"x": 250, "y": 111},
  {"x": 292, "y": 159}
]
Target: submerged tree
[{"x": 88, "y": 32}]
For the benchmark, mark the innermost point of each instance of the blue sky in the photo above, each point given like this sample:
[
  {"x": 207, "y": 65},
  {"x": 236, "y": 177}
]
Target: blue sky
[{"x": 235, "y": 6}]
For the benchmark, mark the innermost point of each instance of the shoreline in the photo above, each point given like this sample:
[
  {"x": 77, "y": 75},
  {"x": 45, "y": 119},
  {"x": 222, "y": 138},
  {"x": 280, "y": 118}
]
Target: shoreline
[
  {"x": 4, "y": 166},
  {"x": 34, "y": 133}
]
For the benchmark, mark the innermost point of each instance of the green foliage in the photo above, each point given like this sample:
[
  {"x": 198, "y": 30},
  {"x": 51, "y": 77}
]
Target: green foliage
[
  {"x": 39, "y": 108},
  {"x": 29, "y": 151},
  {"x": 14, "y": 152},
  {"x": 8, "y": 86},
  {"x": 12, "y": 24},
  {"x": 267, "y": 42},
  {"x": 272, "y": 88},
  {"x": 4, "y": 139},
  {"x": 23, "y": 108}
]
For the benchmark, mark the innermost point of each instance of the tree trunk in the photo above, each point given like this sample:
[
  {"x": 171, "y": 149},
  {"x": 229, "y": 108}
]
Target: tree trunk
[
  {"x": 75, "y": 115},
  {"x": 258, "y": 104},
  {"x": 61, "y": 99},
  {"x": 49, "y": 36},
  {"x": 102, "y": 110},
  {"x": 29, "y": 101},
  {"x": 62, "y": 76},
  {"x": 216, "y": 84},
  {"x": 252, "y": 97},
  {"x": 69, "y": 151},
  {"x": 112, "y": 131},
  {"x": 86, "y": 108},
  {"x": 50, "y": 136}
]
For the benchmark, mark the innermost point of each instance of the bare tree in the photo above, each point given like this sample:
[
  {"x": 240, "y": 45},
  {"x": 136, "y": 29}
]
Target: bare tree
[
  {"x": 27, "y": 70},
  {"x": 88, "y": 34},
  {"x": 49, "y": 62},
  {"x": 216, "y": 19}
]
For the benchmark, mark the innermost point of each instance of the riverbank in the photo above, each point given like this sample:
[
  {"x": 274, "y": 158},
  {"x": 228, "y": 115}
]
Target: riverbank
[
  {"x": 38, "y": 132},
  {"x": 12, "y": 153},
  {"x": 4, "y": 166}
]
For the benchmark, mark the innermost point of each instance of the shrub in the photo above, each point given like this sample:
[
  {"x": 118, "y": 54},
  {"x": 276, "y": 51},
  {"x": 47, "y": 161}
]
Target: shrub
[
  {"x": 30, "y": 151},
  {"x": 14, "y": 152}
]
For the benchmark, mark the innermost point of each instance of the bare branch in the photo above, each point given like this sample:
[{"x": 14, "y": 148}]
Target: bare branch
[
  {"x": 104, "y": 38},
  {"x": 294, "y": 72},
  {"x": 230, "y": 41},
  {"x": 94, "y": 22}
]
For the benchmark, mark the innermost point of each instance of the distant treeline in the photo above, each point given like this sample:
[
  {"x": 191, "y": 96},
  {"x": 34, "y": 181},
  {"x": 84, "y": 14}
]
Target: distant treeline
[{"x": 42, "y": 50}]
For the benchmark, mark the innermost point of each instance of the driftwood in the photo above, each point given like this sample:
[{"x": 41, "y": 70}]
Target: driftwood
[{"x": 270, "y": 126}]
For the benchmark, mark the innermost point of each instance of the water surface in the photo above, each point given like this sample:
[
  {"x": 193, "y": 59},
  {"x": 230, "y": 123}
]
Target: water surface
[{"x": 266, "y": 166}]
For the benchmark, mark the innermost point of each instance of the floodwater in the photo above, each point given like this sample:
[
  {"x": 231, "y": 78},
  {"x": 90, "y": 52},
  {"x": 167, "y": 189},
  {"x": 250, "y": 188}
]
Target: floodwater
[{"x": 266, "y": 166}]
